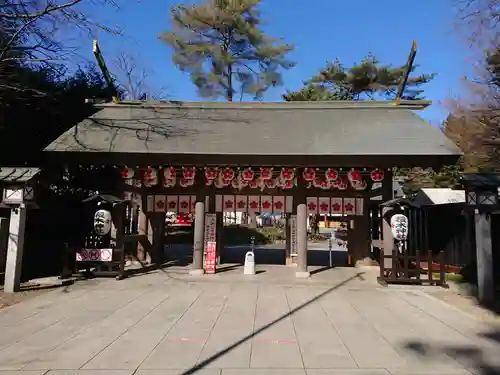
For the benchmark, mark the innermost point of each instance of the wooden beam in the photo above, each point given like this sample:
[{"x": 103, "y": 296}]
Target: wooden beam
[{"x": 409, "y": 67}]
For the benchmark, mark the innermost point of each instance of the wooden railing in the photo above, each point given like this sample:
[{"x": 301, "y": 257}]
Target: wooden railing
[
  {"x": 115, "y": 268},
  {"x": 413, "y": 269}
]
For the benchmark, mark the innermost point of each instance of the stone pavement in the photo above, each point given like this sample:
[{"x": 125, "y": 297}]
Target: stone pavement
[{"x": 167, "y": 323}]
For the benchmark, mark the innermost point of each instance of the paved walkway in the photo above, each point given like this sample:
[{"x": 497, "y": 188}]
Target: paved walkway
[{"x": 164, "y": 324}]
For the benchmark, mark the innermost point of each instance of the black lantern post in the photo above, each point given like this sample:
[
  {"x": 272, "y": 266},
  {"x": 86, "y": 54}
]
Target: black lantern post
[{"x": 481, "y": 195}]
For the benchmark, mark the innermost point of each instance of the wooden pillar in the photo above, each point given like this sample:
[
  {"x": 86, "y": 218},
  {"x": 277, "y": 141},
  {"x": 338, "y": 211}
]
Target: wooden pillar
[
  {"x": 4, "y": 237},
  {"x": 288, "y": 242},
  {"x": 302, "y": 241},
  {"x": 143, "y": 230},
  {"x": 220, "y": 237},
  {"x": 158, "y": 237},
  {"x": 387, "y": 194},
  {"x": 484, "y": 254},
  {"x": 199, "y": 233},
  {"x": 388, "y": 240},
  {"x": 118, "y": 215},
  {"x": 15, "y": 249},
  {"x": 359, "y": 241}
]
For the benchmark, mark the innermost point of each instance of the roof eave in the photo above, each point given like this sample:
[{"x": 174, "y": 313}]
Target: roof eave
[{"x": 298, "y": 105}]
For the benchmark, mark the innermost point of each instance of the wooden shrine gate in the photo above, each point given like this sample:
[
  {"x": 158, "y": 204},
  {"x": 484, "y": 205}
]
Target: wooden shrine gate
[{"x": 197, "y": 157}]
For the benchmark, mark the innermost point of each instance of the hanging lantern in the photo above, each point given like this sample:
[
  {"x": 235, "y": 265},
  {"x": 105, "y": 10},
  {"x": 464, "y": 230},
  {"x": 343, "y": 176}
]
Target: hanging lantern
[
  {"x": 188, "y": 173},
  {"x": 244, "y": 183},
  {"x": 309, "y": 174},
  {"x": 377, "y": 175},
  {"x": 288, "y": 184},
  {"x": 270, "y": 184},
  {"x": 362, "y": 185},
  {"x": 354, "y": 175},
  {"x": 247, "y": 174},
  {"x": 254, "y": 183},
  {"x": 287, "y": 174},
  {"x": 127, "y": 173},
  {"x": 221, "y": 182},
  {"x": 227, "y": 174},
  {"x": 331, "y": 174},
  {"x": 399, "y": 227},
  {"x": 150, "y": 177},
  {"x": 169, "y": 182},
  {"x": 170, "y": 173},
  {"x": 325, "y": 185},
  {"x": 211, "y": 173},
  {"x": 317, "y": 182},
  {"x": 185, "y": 182},
  {"x": 102, "y": 222},
  {"x": 266, "y": 173},
  {"x": 342, "y": 184}
]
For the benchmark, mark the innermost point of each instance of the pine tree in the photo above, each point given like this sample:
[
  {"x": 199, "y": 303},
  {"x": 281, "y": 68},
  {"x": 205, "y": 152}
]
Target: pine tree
[
  {"x": 221, "y": 45},
  {"x": 366, "y": 80}
]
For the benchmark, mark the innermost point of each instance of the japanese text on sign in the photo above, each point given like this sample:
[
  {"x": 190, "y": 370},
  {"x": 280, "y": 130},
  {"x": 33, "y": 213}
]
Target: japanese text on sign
[{"x": 210, "y": 257}]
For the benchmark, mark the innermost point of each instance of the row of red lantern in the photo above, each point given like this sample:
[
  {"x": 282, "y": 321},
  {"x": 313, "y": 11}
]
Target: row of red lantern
[{"x": 222, "y": 177}]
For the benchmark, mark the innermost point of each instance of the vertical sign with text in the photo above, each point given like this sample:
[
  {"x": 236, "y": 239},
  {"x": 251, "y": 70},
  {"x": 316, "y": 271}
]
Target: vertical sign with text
[
  {"x": 293, "y": 235},
  {"x": 210, "y": 248}
]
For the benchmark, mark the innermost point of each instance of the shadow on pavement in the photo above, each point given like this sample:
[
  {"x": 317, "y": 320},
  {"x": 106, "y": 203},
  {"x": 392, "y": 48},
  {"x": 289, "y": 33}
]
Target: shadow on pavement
[
  {"x": 470, "y": 357},
  {"x": 209, "y": 360}
]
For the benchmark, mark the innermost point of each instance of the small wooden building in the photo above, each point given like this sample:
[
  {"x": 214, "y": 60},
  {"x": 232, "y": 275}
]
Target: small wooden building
[{"x": 297, "y": 158}]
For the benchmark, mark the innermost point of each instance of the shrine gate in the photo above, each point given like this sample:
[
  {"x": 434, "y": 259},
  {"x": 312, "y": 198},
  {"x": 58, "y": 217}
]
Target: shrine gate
[{"x": 296, "y": 158}]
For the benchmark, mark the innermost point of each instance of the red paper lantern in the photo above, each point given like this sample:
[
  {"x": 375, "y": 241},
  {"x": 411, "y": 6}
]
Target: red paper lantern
[
  {"x": 342, "y": 185},
  {"x": 254, "y": 183},
  {"x": 266, "y": 173},
  {"x": 271, "y": 184},
  {"x": 377, "y": 175},
  {"x": 170, "y": 173},
  {"x": 325, "y": 185},
  {"x": 150, "y": 176},
  {"x": 354, "y": 175},
  {"x": 227, "y": 173},
  {"x": 309, "y": 174},
  {"x": 169, "y": 182},
  {"x": 127, "y": 173},
  {"x": 185, "y": 182},
  {"x": 189, "y": 173},
  {"x": 247, "y": 174},
  {"x": 287, "y": 174},
  {"x": 362, "y": 185},
  {"x": 331, "y": 174},
  {"x": 211, "y": 173}
]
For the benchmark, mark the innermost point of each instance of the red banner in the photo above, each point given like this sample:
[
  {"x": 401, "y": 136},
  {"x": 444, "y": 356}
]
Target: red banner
[{"x": 210, "y": 257}]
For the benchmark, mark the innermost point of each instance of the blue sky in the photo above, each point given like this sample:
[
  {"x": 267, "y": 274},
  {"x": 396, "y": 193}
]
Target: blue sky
[{"x": 321, "y": 30}]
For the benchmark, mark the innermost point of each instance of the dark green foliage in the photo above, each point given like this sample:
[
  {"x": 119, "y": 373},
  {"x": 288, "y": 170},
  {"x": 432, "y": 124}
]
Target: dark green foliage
[
  {"x": 366, "y": 80},
  {"x": 221, "y": 45},
  {"x": 38, "y": 105}
]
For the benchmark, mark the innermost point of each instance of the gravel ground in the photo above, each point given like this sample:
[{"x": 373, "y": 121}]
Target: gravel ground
[{"x": 8, "y": 299}]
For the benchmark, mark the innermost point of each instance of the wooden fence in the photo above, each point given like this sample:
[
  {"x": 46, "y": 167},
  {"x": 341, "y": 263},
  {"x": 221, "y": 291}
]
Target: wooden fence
[{"x": 413, "y": 269}]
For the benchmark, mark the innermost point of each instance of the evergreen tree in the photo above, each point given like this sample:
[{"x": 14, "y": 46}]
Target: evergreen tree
[
  {"x": 221, "y": 45},
  {"x": 366, "y": 80}
]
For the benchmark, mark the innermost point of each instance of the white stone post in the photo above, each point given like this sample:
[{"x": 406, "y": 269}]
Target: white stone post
[{"x": 15, "y": 248}]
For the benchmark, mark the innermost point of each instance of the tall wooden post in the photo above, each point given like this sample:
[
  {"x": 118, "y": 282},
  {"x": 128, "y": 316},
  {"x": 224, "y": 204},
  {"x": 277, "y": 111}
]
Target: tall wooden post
[
  {"x": 199, "y": 235},
  {"x": 118, "y": 215},
  {"x": 485, "y": 279},
  {"x": 302, "y": 241},
  {"x": 158, "y": 229}
]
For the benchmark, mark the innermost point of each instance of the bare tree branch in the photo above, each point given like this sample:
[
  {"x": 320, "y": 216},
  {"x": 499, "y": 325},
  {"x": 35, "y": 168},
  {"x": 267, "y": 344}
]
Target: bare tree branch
[
  {"x": 133, "y": 79},
  {"x": 34, "y": 33}
]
